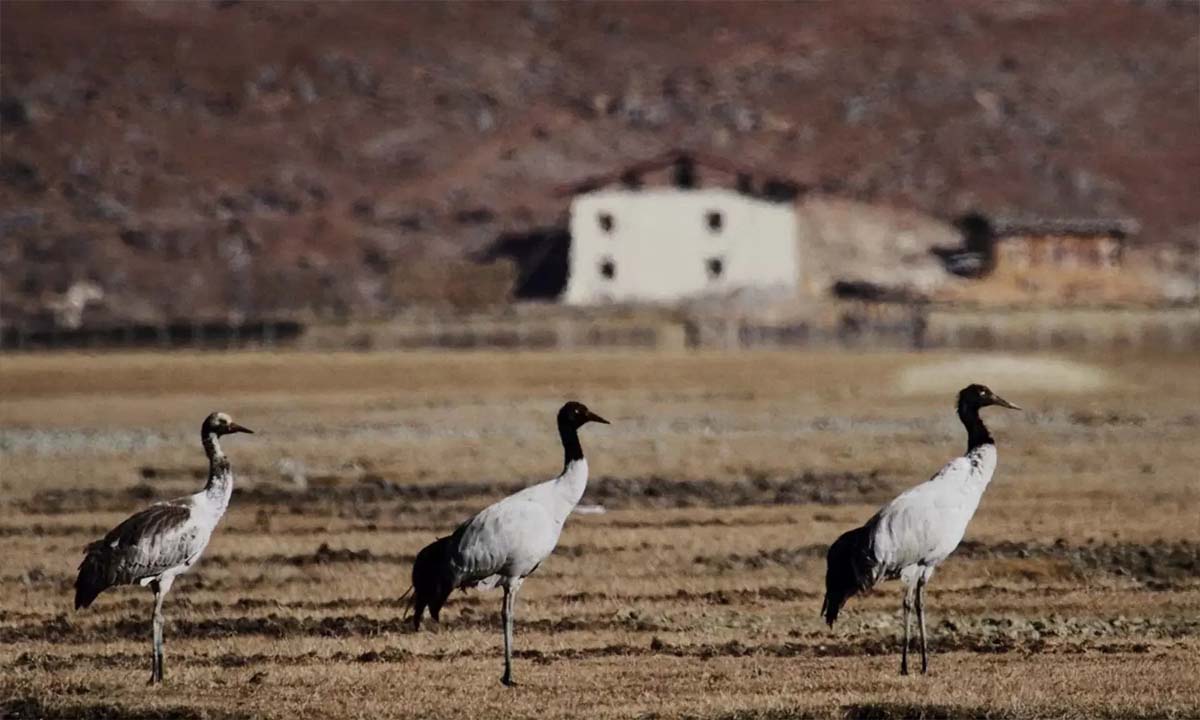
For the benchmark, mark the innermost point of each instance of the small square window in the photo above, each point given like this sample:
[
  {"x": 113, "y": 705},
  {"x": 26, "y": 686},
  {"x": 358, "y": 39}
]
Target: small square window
[
  {"x": 608, "y": 269},
  {"x": 715, "y": 220},
  {"x": 606, "y": 221},
  {"x": 715, "y": 267}
]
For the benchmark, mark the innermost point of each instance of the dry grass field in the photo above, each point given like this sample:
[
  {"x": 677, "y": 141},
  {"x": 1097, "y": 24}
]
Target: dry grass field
[{"x": 724, "y": 477}]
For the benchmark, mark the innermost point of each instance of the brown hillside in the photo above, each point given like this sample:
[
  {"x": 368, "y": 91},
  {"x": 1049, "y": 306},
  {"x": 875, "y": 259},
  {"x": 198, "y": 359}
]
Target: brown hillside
[{"x": 342, "y": 158}]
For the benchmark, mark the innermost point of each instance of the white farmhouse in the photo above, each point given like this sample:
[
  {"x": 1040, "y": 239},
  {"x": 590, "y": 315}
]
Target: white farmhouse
[
  {"x": 668, "y": 244},
  {"x": 683, "y": 239},
  {"x": 670, "y": 228}
]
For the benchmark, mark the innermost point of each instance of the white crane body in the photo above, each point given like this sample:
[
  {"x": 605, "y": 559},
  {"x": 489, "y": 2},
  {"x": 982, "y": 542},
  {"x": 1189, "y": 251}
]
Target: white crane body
[
  {"x": 509, "y": 539},
  {"x": 921, "y": 527},
  {"x": 186, "y": 527}
]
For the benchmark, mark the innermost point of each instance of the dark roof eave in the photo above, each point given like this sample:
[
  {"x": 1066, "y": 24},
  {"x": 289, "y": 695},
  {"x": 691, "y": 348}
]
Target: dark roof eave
[
  {"x": 664, "y": 160},
  {"x": 1110, "y": 227}
]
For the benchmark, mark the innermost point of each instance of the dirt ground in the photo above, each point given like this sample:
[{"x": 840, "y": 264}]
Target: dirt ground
[{"x": 695, "y": 594}]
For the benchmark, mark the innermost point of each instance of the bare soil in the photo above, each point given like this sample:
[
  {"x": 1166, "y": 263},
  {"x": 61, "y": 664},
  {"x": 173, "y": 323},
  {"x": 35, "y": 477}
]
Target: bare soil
[{"x": 694, "y": 594}]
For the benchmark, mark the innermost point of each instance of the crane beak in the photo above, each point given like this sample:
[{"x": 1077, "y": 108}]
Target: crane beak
[
  {"x": 235, "y": 428},
  {"x": 997, "y": 400},
  {"x": 593, "y": 417}
]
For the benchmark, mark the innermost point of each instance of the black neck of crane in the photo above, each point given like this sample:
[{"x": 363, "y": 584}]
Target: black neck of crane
[
  {"x": 218, "y": 464},
  {"x": 572, "y": 450},
  {"x": 977, "y": 432}
]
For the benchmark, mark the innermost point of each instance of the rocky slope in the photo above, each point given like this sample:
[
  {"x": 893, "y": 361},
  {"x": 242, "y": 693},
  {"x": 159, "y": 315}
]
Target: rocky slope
[{"x": 246, "y": 159}]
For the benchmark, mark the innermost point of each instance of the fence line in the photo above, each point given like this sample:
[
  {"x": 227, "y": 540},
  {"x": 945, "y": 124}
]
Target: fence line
[
  {"x": 216, "y": 335},
  {"x": 843, "y": 324}
]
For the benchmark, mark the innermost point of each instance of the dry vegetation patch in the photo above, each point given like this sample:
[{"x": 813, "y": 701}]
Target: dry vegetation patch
[{"x": 696, "y": 592}]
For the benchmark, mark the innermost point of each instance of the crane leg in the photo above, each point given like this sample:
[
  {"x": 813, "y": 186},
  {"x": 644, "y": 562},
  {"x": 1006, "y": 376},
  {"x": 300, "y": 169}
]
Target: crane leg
[
  {"x": 160, "y": 588},
  {"x": 908, "y": 601},
  {"x": 156, "y": 622},
  {"x": 510, "y": 601},
  {"x": 921, "y": 621}
]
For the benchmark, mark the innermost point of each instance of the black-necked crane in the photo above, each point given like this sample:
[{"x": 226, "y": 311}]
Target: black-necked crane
[
  {"x": 910, "y": 536},
  {"x": 506, "y": 541},
  {"x": 159, "y": 543}
]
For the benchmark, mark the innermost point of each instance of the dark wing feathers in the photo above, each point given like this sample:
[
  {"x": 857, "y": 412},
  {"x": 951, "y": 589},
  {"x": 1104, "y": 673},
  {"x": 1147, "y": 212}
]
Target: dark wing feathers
[
  {"x": 433, "y": 578},
  {"x": 850, "y": 568},
  {"x": 144, "y": 545}
]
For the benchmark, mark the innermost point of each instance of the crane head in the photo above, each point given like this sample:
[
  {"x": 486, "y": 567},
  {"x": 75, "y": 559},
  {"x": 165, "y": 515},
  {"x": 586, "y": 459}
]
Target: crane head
[
  {"x": 220, "y": 423},
  {"x": 575, "y": 415},
  {"x": 980, "y": 396}
]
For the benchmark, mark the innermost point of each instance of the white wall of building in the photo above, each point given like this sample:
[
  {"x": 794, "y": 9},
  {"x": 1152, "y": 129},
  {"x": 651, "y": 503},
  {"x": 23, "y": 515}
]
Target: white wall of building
[{"x": 661, "y": 245}]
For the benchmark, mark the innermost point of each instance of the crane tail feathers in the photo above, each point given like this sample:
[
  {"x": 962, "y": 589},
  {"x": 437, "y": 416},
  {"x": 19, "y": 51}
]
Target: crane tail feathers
[
  {"x": 408, "y": 608},
  {"x": 432, "y": 580},
  {"x": 849, "y": 570},
  {"x": 95, "y": 576}
]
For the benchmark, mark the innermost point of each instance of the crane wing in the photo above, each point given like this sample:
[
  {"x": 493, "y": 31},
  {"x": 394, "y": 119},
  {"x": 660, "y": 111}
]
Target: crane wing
[
  {"x": 510, "y": 537},
  {"x": 144, "y": 545},
  {"x": 925, "y": 523}
]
